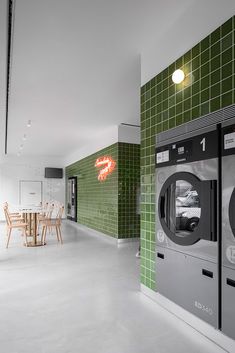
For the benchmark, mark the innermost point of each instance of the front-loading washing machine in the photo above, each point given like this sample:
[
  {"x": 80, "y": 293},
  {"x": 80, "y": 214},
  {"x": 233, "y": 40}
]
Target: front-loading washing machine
[
  {"x": 187, "y": 221},
  {"x": 228, "y": 228}
]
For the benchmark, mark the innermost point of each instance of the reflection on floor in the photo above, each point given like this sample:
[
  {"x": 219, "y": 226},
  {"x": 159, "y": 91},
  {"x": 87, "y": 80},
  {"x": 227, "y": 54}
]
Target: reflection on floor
[{"x": 83, "y": 297}]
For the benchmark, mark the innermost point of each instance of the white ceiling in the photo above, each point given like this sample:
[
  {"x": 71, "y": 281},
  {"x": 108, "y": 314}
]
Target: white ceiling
[{"x": 76, "y": 63}]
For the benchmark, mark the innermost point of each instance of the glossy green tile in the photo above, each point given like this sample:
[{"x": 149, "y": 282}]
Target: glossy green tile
[
  {"x": 227, "y": 27},
  {"x": 211, "y": 86},
  {"x": 216, "y": 35}
]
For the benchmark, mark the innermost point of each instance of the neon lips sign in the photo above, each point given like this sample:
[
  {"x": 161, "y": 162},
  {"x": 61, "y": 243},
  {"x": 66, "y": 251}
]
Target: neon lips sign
[{"x": 108, "y": 165}]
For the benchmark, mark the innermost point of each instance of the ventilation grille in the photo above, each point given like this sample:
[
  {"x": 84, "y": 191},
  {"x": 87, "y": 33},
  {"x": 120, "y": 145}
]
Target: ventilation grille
[{"x": 192, "y": 126}]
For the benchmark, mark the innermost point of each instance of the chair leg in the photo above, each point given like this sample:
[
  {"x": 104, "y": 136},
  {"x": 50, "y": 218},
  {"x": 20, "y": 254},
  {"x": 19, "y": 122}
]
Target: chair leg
[
  {"x": 8, "y": 236},
  {"x": 44, "y": 234},
  {"x": 57, "y": 233},
  {"x": 61, "y": 240},
  {"x": 25, "y": 236}
]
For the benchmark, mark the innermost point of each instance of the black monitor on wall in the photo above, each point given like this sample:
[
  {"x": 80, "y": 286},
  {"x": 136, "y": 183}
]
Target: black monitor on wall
[{"x": 56, "y": 173}]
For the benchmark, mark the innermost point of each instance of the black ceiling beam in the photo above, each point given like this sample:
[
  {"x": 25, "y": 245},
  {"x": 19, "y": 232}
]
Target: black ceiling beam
[{"x": 9, "y": 43}]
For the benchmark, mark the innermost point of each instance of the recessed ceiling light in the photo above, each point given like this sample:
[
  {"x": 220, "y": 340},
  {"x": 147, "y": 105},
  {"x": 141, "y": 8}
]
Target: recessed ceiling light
[
  {"x": 24, "y": 137},
  {"x": 29, "y": 123},
  {"x": 21, "y": 146}
]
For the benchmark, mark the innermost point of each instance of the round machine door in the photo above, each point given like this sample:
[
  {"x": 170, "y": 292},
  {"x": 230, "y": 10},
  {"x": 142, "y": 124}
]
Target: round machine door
[
  {"x": 232, "y": 212},
  {"x": 187, "y": 207}
]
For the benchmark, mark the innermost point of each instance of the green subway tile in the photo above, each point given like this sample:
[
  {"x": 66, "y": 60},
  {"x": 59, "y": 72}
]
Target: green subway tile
[
  {"x": 205, "y": 56},
  {"x": 196, "y": 63},
  {"x": 215, "y": 49},
  {"x": 165, "y": 94},
  {"x": 205, "y": 95},
  {"x": 195, "y": 50},
  {"x": 172, "y": 123},
  {"x": 215, "y": 104},
  {"x": 179, "y": 119},
  {"x": 227, "y": 41},
  {"x": 205, "y": 82},
  {"x": 179, "y": 63},
  {"x": 227, "y": 27},
  {"x": 179, "y": 97},
  {"x": 227, "y": 70},
  {"x": 179, "y": 108},
  {"x": 171, "y": 69},
  {"x": 165, "y": 125},
  {"x": 187, "y": 92},
  {"x": 227, "y": 99},
  {"x": 171, "y": 89},
  {"x": 187, "y": 104},
  {"x": 171, "y": 112},
  {"x": 186, "y": 116},
  {"x": 165, "y": 104},
  {"x": 205, "y": 108},
  {"x": 227, "y": 56},
  {"x": 196, "y": 100},
  {"x": 153, "y": 91},
  {"x": 215, "y": 91},
  {"x": 153, "y": 82},
  {"x": 227, "y": 84},
  {"x": 216, "y": 35},
  {"x": 195, "y": 87},
  {"x": 205, "y": 43},
  {"x": 215, "y": 76},
  {"x": 187, "y": 57},
  {"x": 172, "y": 100},
  {"x": 211, "y": 86},
  {"x": 215, "y": 63},
  {"x": 195, "y": 112},
  {"x": 205, "y": 69},
  {"x": 196, "y": 75}
]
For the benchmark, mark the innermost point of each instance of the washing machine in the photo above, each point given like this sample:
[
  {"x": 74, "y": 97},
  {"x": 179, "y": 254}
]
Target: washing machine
[
  {"x": 187, "y": 220},
  {"x": 228, "y": 228}
]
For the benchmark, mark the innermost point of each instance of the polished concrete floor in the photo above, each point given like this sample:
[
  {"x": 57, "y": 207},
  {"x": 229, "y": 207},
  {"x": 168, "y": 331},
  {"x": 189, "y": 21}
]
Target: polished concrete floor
[{"x": 83, "y": 297}]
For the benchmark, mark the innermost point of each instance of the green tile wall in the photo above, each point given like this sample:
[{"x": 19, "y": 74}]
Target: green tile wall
[
  {"x": 209, "y": 85},
  {"x": 101, "y": 205},
  {"x": 128, "y": 188}
]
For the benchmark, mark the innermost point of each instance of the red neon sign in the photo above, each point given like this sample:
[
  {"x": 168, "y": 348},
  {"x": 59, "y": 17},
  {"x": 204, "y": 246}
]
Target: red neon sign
[{"x": 108, "y": 165}]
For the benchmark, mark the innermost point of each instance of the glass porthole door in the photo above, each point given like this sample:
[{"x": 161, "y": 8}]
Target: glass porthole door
[
  {"x": 232, "y": 212},
  {"x": 187, "y": 208}
]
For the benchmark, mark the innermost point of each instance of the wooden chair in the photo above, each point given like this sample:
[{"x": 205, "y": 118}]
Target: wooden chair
[
  {"x": 14, "y": 224},
  {"x": 49, "y": 223},
  {"x": 13, "y": 215}
]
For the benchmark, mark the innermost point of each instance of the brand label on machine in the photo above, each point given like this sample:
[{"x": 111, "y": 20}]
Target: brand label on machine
[
  {"x": 230, "y": 253},
  {"x": 203, "y": 307},
  {"x": 229, "y": 141},
  {"x": 162, "y": 157}
]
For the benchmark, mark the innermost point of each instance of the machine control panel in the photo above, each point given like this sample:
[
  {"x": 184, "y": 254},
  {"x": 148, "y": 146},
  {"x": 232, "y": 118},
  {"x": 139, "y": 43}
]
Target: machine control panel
[{"x": 200, "y": 147}]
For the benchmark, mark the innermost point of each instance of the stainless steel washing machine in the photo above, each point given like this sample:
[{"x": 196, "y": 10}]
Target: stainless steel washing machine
[
  {"x": 228, "y": 228},
  {"x": 187, "y": 222}
]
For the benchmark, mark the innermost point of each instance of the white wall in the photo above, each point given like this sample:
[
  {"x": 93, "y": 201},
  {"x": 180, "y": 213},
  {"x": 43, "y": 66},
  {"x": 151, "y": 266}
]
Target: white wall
[
  {"x": 180, "y": 31},
  {"x": 121, "y": 133},
  {"x": 13, "y": 169},
  {"x": 129, "y": 134}
]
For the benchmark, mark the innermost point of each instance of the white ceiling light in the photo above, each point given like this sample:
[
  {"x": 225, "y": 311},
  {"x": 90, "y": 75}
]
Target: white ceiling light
[
  {"x": 21, "y": 147},
  {"x": 29, "y": 123},
  {"x": 24, "y": 137},
  {"x": 178, "y": 76}
]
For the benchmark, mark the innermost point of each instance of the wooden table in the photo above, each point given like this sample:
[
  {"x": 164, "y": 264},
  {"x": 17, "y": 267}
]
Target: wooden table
[{"x": 30, "y": 215}]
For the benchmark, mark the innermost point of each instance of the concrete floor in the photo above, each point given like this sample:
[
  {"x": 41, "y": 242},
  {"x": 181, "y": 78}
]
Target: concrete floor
[{"x": 83, "y": 297}]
